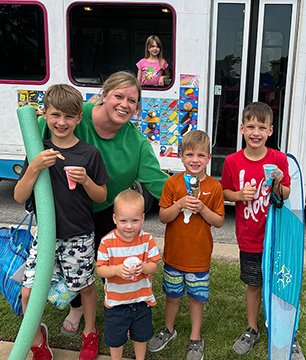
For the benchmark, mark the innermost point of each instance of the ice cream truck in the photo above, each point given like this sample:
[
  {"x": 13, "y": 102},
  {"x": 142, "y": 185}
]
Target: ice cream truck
[{"x": 222, "y": 55}]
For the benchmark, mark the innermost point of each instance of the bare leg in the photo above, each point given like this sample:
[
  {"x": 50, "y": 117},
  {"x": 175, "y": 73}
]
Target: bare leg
[
  {"x": 253, "y": 301},
  {"x": 89, "y": 301},
  {"x": 25, "y": 293},
  {"x": 171, "y": 309},
  {"x": 74, "y": 317},
  {"x": 140, "y": 350},
  {"x": 116, "y": 353},
  {"x": 196, "y": 316}
]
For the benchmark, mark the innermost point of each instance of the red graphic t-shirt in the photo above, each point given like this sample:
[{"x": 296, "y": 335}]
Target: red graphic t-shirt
[{"x": 239, "y": 172}]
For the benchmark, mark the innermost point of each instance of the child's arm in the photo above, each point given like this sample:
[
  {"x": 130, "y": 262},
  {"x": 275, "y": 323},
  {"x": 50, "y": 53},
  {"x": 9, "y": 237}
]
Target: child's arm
[
  {"x": 139, "y": 75},
  {"x": 189, "y": 202},
  {"x": 24, "y": 186},
  {"x": 122, "y": 271},
  {"x": 170, "y": 213},
  {"x": 166, "y": 75},
  {"x": 145, "y": 268},
  {"x": 96, "y": 192},
  {"x": 245, "y": 194},
  {"x": 285, "y": 190},
  {"x": 211, "y": 217},
  {"x": 106, "y": 271}
]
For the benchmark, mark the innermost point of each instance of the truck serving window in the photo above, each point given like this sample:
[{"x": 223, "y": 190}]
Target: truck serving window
[
  {"x": 105, "y": 38},
  {"x": 22, "y": 43}
]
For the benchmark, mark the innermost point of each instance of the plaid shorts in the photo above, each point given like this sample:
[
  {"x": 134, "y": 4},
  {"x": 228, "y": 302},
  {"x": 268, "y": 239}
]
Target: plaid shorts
[
  {"x": 196, "y": 284},
  {"x": 74, "y": 260}
]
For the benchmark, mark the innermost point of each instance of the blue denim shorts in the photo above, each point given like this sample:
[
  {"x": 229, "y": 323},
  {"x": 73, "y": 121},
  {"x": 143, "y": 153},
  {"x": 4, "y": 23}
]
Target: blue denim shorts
[
  {"x": 135, "y": 318},
  {"x": 196, "y": 284}
]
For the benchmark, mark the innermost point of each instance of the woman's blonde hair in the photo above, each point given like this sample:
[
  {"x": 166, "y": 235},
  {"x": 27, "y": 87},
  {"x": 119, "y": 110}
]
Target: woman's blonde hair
[
  {"x": 149, "y": 43},
  {"x": 120, "y": 80}
]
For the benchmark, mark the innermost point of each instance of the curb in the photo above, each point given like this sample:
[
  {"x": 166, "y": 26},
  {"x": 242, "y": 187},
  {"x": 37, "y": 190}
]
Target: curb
[{"x": 58, "y": 354}]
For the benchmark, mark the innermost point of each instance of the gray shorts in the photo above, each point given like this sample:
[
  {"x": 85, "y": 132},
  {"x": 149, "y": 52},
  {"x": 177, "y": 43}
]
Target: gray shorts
[
  {"x": 250, "y": 268},
  {"x": 74, "y": 260}
]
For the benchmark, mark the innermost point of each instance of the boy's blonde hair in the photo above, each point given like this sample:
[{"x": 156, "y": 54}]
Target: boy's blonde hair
[
  {"x": 65, "y": 98},
  {"x": 195, "y": 138},
  {"x": 120, "y": 80},
  {"x": 260, "y": 110},
  {"x": 149, "y": 43},
  {"x": 129, "y": 196}
]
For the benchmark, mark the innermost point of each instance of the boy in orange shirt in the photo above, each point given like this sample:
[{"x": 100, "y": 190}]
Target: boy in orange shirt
[
  {"x": 128, "y": 291},
  {"x": 188, "y": 240}
]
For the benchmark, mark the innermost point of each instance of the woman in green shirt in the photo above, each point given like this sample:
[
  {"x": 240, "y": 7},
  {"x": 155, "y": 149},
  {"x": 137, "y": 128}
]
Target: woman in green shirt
[{"x": 126, "y": 153}]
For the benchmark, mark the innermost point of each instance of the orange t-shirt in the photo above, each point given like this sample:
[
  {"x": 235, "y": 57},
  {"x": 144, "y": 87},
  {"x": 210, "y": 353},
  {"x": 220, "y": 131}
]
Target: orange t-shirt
[{"x": 188, "y": 239}]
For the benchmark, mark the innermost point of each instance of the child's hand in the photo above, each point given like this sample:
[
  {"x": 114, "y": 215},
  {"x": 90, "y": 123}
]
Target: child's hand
[
  {"x": 161, "y": 81},
  {"x": 44, "y": 159},
  {"x": 277, "y": 175},
  {"x": 247, "y": 193},
  {"x": 78, "y": 175},
  {"x": 124, "y": 272},
  {"x": 189, "y": 202},
  {"x": 138, "y": 269},
  {"x": 131, "y": 272}
]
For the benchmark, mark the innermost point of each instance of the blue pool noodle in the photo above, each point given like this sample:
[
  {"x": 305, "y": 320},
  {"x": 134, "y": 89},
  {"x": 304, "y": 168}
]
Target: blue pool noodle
[{"x": 46, "y": 233}]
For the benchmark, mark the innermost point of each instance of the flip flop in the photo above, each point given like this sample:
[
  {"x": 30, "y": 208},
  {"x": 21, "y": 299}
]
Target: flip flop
[{"x": 69, "y": 332}]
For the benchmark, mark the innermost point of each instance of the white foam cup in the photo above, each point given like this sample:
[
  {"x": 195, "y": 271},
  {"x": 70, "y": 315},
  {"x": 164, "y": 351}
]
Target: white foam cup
[{"x": 131, "y": 262}]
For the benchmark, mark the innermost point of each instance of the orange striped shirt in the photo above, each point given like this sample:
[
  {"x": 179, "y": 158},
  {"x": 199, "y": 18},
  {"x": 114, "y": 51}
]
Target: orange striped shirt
[{"x": 113, "y": 250}]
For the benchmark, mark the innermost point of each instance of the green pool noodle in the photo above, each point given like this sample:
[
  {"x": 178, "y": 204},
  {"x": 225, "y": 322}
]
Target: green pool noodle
[{"x": 46, "y": 233}]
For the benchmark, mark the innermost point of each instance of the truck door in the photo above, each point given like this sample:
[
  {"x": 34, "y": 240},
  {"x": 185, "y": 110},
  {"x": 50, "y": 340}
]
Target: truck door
[{"x": 251, "y": 60}]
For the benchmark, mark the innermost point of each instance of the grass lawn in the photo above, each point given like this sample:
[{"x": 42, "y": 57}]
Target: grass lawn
[{"x": 224, "y": 320}]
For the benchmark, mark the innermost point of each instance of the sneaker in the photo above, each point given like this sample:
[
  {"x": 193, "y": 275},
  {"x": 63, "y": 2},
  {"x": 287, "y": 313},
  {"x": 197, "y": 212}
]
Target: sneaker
[
  {"x": 90, "y": 346},
  {"x": 246, "y": 341},
  {"x": 42, "y": 352},
  {"x": 160, "y": 340},
  {"x": 297, "y": 351},
  {"x": 195, "y": 350}
]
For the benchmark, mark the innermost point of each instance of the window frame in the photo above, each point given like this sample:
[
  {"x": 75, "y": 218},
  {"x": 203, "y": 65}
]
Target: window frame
[
  {"x": 46, "y": 37},
  {"x": 173, "y": 64}
]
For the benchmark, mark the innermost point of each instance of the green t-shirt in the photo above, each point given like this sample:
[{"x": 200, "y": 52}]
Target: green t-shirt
[{"x": 127, "y": 156}]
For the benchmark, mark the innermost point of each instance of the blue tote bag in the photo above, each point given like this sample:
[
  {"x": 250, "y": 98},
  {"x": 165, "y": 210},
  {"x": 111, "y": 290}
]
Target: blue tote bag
[{"x": 14, "y": 248}]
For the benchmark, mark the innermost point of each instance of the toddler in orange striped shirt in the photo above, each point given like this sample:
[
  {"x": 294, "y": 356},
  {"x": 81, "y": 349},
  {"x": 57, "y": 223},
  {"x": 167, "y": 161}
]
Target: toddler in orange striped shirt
[{"x": 128, "y": 292}]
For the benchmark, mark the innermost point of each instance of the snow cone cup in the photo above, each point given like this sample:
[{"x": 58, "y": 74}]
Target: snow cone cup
[
  {"x": 71, "y": 183},
  {"x": 131, "y": 263},
  {"x": 268, "y": 168}
]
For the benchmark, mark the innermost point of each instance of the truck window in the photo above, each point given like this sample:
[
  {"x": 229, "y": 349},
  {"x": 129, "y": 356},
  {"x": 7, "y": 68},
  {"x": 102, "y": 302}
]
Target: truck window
[
  {"x": 22, "y": 43},
  {"x": 105, "y": 38}
]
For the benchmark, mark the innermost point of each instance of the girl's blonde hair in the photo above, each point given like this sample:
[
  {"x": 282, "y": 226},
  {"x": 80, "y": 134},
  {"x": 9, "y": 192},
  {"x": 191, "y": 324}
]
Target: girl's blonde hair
[
  {"x": 120, "y": 80},
  {"x": 149, "y": 43}
]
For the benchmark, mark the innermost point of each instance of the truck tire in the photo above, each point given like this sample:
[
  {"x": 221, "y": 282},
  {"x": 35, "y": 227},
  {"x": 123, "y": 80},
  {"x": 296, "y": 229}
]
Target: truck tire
[{"x": 149, "y": 199}]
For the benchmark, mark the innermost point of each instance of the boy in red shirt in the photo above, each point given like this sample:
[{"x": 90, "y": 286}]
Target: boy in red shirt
[{"x": 243, "y": 182}]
